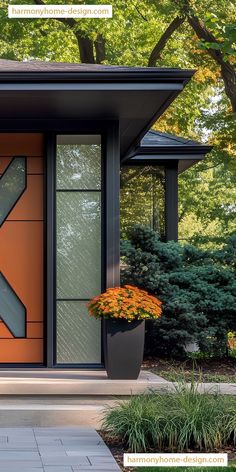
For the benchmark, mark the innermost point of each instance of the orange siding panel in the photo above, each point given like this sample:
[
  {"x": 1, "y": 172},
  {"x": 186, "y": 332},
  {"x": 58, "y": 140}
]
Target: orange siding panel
[
  {"x": 30, "y": 205},
  {"x": 21, "y": 350},
  {"x": 4, "y": 162},
  {"x": 4, "y": 331},
  {"x": 34, "y": 164},
  {"x": 34, "y": 330},
  {"x": 17, "y": 144}
]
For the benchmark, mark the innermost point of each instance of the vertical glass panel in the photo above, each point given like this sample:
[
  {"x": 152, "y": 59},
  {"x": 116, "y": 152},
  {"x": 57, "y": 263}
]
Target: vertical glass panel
[
  {"x": 12, "y": 311},
  {"x": 78, "y": 162},
  {"x": 79, "y": 335},
  {"x": 12, "y": 185},
  {"x": 142, "y": 199},
  {"x": 78, "y": 215},
  {"x": 78, "y": 244}
]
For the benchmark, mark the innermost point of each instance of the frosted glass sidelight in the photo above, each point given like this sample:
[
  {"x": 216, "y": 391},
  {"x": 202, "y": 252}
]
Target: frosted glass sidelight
[
  {"x": 78, "y": 244},
  {"x": 78, "y": 164},
  {"x": 78, "y": 334},
  {"x": 78, "y": 247}
]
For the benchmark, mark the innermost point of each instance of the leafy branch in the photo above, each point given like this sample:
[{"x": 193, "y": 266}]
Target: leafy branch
[
  {"x": 158, "y": 48},
  {"x": 212, "y": 45}
]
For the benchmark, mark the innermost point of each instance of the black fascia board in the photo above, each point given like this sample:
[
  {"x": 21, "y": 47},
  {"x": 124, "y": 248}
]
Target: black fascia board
[
  {"x": 166, "y": 157},
  {"x": 177, "y": 151},
  {"x": 88, "y": 86},
  {"x": 148, "y": 75}
]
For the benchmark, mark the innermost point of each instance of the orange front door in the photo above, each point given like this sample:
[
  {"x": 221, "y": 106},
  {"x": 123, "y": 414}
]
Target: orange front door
[{"x": 21, "y": 248}]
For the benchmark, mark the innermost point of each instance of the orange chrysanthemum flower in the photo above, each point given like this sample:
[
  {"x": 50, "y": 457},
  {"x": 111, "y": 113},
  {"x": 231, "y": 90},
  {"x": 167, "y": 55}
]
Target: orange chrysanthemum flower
[{"x": 126, "y": 302}]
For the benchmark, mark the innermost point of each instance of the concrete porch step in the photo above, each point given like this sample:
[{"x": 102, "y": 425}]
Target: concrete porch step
[
  {"x": 46, "y": 397},
  {"x": 74, "y": 382},
  {"x": 36, "y": 411},
  {"x": 52, "y": 397}
]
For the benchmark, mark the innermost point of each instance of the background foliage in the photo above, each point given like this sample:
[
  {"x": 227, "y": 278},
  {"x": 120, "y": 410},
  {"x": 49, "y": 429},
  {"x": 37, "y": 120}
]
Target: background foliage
[{"x": 197, "y": 288}]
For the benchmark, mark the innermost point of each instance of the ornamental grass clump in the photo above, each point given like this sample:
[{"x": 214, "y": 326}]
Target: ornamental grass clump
[
  {"x": 173, "y": 421},
  {"x": 128, "y": 302}
]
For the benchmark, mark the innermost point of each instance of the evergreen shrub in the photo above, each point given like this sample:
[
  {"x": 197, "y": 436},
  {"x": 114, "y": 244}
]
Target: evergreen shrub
[{"x": 197, "y": 288}]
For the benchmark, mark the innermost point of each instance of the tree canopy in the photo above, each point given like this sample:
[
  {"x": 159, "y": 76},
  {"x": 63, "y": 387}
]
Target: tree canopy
[{"x": 173, "y": 33}]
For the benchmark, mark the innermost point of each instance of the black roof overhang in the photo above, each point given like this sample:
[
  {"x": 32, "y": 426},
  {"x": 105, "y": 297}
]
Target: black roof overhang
[
  {"x": 186, "y": 155},
  {"x": 135, "y": 98}
]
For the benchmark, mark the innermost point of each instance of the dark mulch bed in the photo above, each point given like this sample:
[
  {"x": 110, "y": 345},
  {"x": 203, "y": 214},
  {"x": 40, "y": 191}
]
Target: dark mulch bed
[
  {"x": 117, "y": 449},
  {"x": 211, "y": 369}
]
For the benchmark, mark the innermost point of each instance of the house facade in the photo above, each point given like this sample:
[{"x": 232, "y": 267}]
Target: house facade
[{"x": 69, "y": 134}]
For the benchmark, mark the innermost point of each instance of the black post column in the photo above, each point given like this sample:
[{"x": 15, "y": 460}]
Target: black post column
[
  {"x": 112, "y": 206},
  {"x": 171, "y": 201}
]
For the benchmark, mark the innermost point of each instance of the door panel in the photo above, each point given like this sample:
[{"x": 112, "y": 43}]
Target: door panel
[
  {"x": 30, "y": 205},
  {"x": 21, "y": 144},
  {"x": 34, "y": 164},
  {"x": 21, "y": 350},
  {"x": 4, "y": 331},
  {"x": 22, "y": 251}
]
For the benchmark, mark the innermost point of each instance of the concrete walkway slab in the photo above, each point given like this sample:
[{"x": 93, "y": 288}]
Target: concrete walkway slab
[
  {"x": 63, "y": 450},
  {"x": 210, "y": 388},
  {"x": 222, "y": 388}
]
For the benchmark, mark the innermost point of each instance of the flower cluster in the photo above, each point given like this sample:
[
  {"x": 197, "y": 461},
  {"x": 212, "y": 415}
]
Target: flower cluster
[{"x": 126, "y": 302}]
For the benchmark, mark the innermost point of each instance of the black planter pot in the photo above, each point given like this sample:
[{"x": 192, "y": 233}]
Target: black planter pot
[{"x": 123, "y": 348}]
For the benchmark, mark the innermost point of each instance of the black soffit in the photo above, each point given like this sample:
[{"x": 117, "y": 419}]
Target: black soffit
[
  {"x": 156, "y": 147},
  {"x": 135, "y": 96}
]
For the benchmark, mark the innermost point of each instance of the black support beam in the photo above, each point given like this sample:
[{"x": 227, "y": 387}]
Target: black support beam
[{"x": 171, "y": 202}]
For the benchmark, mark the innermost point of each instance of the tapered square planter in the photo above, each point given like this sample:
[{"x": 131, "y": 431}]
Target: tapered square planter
[{"x": 123, "y": 348}]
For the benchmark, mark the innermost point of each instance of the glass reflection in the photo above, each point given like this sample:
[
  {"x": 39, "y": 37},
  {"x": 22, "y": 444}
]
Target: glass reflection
[
  {"x": 78, "y": 244},
  {"x": 78, "y": 166},
  {"x": 79, "y": 335}
]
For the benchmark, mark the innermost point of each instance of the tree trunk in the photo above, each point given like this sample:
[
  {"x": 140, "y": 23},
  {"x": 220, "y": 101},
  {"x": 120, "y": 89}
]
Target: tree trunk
[
  {"x": 85, "y": 49},
  {"x": 85, "y": 44},
  {"x": 100, "y": 49},
  {"x": 228, "y": 72}
]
